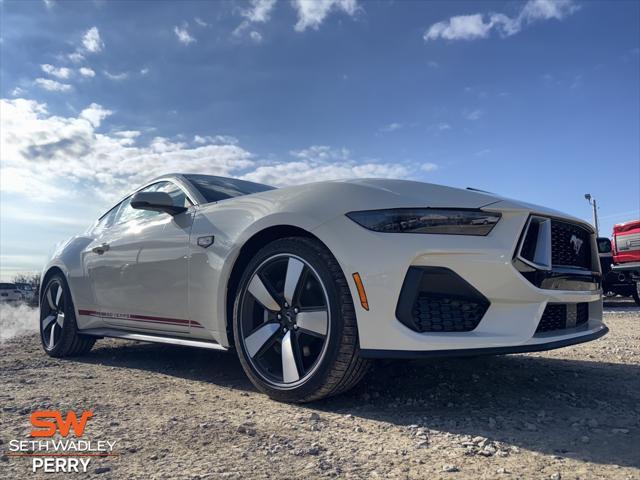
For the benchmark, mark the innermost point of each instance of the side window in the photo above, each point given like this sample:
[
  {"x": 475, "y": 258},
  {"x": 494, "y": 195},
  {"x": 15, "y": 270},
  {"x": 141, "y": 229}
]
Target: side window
[
  {"x": 178, "y": 196},
  {"x": 107, "y": 219},
  {"x": 128, "y": 214}
]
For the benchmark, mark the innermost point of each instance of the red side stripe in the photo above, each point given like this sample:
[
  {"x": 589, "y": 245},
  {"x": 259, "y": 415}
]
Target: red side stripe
[{"x": 141, "y": 318}]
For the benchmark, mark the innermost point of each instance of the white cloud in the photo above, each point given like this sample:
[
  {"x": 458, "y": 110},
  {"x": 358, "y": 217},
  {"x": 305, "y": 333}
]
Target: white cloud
[
  {"x": 311, "y": 13},
  {"x": 144, "y": 71},
  {"x": 94, "y": 114},
  {"x": 259, "y": 11},
  {"x": 473, "y": 114},
  {"x": 91, "y": 41},
  {"x": 70, "y": 157},
  {"x": 255, "y": 36},
  {"x": 61, "y": 72},
  {"x": 392, "y": 127},
  {"x": 443, "y": 126},
  {"x": 116, "y": 76},
  {"x": 128, "y": 133},
  {"x": 463, "y": 27},
  {"x": 76, "y": 57},
  {"x": 216, "y": 139},
  {"x": 183, "y": 35},
  {"x": 321, "y": 162},
  {"x": 433, "y": 64},
  {"x": 200, "y": 22},
  {"x": 479, "y": 25},
  {"x": 294, "y": 173},
  {"x": 321, "y": 153},
  {"x": 428, "y": 167},
  {"x": 87, "y": 72},
  {"x": 61, "y": 156},
  {"x": 49, "y": 3},
  {"x": 16, "y": 92},
  {"x": 52, "y": 85}
]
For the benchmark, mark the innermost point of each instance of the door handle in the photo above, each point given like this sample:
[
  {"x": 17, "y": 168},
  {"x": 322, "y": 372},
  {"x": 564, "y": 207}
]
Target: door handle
[{"x": 100, "y": 249}]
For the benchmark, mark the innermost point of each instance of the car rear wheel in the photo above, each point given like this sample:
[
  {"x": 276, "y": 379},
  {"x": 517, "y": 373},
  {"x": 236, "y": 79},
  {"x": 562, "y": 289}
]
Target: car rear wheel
[
  {"x": 294, "y": 323},
  {"x": 58, "y": 328}
]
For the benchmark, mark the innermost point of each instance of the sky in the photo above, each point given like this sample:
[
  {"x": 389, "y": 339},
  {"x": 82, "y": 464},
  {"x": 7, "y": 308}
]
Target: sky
[{"x": 537, "y": 100}]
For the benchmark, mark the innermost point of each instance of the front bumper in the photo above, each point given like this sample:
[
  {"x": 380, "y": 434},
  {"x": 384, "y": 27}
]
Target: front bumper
[
  {"x": 466, "y": 352},
  {"x": 632, "y": 268},
  {"x": 516, "y": 305}
]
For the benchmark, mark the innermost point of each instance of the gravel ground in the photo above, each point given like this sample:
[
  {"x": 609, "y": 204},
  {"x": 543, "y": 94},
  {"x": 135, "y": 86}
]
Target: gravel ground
[{"x": 189, "y": 413}]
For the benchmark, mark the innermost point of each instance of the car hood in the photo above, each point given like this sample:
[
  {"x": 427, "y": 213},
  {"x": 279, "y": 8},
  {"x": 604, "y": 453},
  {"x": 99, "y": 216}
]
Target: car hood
[
  {"x": 320, "y": 201},
  {"x": 368, "y": 194}
]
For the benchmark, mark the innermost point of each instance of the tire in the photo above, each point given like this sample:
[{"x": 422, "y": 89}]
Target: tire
[
  {"x": 58, "y": 328},
  {"x": 312, "y": 351},
  {"x": 636, "y": 293}
]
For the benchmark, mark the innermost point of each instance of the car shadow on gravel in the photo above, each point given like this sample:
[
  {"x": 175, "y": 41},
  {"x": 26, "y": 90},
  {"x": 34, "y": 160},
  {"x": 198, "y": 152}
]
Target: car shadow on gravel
[
  {"x": 620, "y": 305},
  {"x": 199, "y": 365},
  {"x": 580, "y": 409}
]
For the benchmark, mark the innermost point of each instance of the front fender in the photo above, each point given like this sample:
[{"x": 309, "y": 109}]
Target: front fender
[{"x": 68, "y": 258}]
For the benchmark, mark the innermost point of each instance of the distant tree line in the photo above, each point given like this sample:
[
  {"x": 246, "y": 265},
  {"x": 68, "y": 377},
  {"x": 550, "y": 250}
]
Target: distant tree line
[{"x": 32, "y": 279}]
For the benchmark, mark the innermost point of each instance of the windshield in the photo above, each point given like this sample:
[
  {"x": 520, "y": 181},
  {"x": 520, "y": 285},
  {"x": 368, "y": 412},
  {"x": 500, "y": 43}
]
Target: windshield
[{"x": 214, "y": 189}]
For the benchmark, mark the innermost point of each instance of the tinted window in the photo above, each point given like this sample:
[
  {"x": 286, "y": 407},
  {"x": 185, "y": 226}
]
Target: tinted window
[
  {"x": 7, "y": 286},
  {"x": 177, "y": 195},
  {"x": 107, "y": 219},
  {"x": 214, "y": 189}
]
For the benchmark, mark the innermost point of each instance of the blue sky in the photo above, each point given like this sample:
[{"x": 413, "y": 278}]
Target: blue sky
[{"x": 535, "y": 100}]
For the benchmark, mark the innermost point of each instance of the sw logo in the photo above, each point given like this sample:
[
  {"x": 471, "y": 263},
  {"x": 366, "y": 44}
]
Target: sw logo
[
  {"x": 47, "y": 422},
  {"x": 56, "y": 456}
]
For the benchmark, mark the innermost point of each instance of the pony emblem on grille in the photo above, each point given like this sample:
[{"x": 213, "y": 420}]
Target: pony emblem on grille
[{"x": 576, "y": 243}]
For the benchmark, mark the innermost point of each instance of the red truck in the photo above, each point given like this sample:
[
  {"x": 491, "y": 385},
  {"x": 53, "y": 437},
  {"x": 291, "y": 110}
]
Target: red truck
[
  {"x": 626, "y": 245},
  {"x": 620, "y": 260}
]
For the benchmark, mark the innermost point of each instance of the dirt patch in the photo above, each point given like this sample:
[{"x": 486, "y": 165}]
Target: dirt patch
[{"x": 188, "y": 413}]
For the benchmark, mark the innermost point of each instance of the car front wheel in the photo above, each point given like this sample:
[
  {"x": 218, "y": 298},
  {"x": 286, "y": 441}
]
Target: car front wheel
[{"x": 294, "y": 323}]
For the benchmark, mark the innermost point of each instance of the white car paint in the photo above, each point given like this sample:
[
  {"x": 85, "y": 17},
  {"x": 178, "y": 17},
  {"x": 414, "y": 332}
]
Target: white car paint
[{"x": 155, "y": 278}]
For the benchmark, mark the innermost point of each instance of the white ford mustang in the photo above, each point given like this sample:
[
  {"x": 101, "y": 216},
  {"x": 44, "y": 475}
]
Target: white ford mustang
[{"x": 308, "y": 283}]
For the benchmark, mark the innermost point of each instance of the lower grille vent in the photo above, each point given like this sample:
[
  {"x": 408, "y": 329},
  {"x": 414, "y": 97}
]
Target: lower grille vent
[
  {"x": 436, "y": 299},
  {"x": 560, "y": 316},
  {"x": 437, "y": 313}
]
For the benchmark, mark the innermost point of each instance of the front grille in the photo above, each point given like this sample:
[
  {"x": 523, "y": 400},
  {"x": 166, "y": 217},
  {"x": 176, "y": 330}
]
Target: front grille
[
  {"x": 627, "y": 242},
  {"x": 438, "y": 313},
  {"x": 570, "y": 245},
  {"x": 560, "y": 316}
]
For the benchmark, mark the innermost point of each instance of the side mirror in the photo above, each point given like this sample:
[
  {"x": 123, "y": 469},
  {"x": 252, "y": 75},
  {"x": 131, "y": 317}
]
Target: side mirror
[
  {"x": 156, "y": 202},
  {"x": 604, "y": 245}
]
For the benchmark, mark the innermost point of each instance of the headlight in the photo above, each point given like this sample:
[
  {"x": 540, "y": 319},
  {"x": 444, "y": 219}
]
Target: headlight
[{"x": 427, "y": 220}]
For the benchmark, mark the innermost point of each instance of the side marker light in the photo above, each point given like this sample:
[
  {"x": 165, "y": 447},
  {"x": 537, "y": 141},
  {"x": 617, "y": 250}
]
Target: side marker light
[{"x": 360, "y": 286}]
